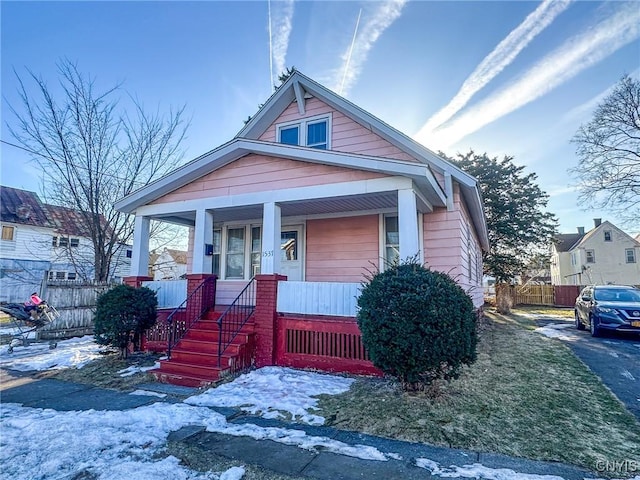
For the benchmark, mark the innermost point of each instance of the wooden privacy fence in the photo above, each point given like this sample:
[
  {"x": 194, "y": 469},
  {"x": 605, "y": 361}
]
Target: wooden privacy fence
[
  {"x": 551, "y": 295},
  {"x": 76, "y": 303},
  {"x": 534, "y": 294}
]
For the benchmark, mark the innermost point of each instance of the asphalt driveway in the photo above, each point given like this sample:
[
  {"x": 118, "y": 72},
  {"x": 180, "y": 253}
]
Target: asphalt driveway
[{"x": 615, "y": 358}]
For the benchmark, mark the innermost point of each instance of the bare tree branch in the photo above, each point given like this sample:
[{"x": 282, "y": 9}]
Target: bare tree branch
[{"x": 92, "y": 152}]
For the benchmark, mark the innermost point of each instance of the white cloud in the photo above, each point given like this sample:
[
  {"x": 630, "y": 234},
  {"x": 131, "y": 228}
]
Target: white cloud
[
  {"x": 280, "y": 24},
  {"x": 372, "y": 25},
  {"x": 501, "y": 56},
  {"x": 571, "y": 58}
]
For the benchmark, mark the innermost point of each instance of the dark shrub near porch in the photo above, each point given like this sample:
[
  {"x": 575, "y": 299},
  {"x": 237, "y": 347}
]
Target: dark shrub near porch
[
  {"x": 417, "y": 324},
  {"x": 122, "y": 314}
]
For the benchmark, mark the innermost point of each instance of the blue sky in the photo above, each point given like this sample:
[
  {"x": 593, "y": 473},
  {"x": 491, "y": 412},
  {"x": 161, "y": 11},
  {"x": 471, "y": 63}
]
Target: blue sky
[{"x": 502, "y": 77}]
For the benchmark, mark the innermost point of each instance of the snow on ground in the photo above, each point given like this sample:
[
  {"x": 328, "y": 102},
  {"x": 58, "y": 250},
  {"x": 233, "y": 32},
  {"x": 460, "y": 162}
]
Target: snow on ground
[
  {"x": 272, "y": 390},
  {"x": 43, "y": 444},
  {"x": 477, "y": 470},
  {"x": 75, "y": 353},
  {"x": 556, "y": 330},
  {"x": 133, "y": 369}
]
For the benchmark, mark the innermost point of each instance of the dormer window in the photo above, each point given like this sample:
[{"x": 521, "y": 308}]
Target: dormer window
[{"x": 309, "y": 132}]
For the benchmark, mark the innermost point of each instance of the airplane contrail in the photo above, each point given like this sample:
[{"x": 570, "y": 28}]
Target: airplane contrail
[
  {"x": 571, "y": 58},
  {"x": 501, "y": 56},
  {"x": 353, "y": 41},
  {"x": 373, "y": 26},
  {"x": 280, "y": 24}
]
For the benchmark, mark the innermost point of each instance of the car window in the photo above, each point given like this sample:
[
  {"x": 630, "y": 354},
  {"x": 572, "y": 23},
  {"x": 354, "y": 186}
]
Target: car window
[{"x": 617, "y": 295}]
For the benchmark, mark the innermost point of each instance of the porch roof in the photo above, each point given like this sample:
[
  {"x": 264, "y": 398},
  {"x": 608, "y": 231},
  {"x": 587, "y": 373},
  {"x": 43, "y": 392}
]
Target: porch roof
[{"x": 421, "y": 175}]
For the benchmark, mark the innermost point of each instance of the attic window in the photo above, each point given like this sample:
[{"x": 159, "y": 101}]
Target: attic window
[
  {"x": 129, "y": 253},
  {"x": 63, "y": 241},
  {"x": 309, "y": 132},
  {"x": 74, "y": 242},
  {"x": 7, "y": 233},
  {"x": 607, "y": 235}
]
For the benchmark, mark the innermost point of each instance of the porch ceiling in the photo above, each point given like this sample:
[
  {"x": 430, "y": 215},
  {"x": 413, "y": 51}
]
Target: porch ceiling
[{"x": 345, "y": 204}]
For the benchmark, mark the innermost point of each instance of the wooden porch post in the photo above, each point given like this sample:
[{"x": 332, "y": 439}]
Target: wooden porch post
[
  {"x": 140, "y": 250},
  {"x": 408, "y": 224},
  {"x": 271, "y": 234}
]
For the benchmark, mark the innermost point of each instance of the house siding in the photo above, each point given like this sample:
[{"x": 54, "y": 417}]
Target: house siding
[
  {"x": 341, "y": 249},
  {"x": 346, "y": 134},
  {"x": 259, "y": 173},
  {"x": 446, "y": 247},
  {"x": 610, "y": 264}
]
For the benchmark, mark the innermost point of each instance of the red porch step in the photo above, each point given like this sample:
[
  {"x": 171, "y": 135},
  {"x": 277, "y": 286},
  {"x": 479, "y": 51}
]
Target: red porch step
[{"x": 194, "y": 360}]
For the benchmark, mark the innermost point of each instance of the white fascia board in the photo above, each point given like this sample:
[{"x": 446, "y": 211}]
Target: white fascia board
[
  {"x": 299, "y": 97},
  {"x": 474, "y": 203},
  {"x": 342, "y": 189}
]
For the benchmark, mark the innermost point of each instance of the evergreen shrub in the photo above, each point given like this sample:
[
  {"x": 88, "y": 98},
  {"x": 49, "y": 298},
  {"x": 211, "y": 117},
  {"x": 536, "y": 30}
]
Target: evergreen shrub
[
  {"x": 417, "y": 324},
  {"x": 123, "y": 313}
]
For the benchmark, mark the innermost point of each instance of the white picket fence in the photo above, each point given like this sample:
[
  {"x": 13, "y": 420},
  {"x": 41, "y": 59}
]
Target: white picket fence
[
  {"x": 170, "y": 293},
  {"x": 318, "y": 298}
]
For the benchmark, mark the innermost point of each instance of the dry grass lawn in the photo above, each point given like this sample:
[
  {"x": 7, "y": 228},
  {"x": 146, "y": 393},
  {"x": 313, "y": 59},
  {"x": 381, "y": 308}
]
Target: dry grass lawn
[{"x": 526, "y": 396}]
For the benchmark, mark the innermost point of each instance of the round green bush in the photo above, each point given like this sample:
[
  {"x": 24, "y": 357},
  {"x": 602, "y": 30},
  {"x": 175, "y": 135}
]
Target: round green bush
[
  {"x": 123, "y": 313},
  {"x": 417, "y": 324}
]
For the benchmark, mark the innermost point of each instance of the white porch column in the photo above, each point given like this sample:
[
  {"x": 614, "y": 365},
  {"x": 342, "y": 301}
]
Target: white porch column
[
  {"x": 140, "y": 251},
  {"x": 202, "y": 235},
  {"x": 271, "y": 234},
  {"x": 408, "y": 224}
]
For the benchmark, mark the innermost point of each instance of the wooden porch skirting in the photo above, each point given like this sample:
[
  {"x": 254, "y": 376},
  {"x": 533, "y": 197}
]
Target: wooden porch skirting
[{"x": 331, "y": 344}]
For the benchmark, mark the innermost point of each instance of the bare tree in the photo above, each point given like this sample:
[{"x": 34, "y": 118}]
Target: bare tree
[
  {"x": 93, "y": 152},
  {"x": 609, "y": 151}
]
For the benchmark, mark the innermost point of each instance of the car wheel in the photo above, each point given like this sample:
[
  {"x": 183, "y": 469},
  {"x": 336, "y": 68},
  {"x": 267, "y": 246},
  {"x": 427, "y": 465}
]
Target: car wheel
[
  {"x": 579, "y": 324},
  {"x": 593, "y": 326}
]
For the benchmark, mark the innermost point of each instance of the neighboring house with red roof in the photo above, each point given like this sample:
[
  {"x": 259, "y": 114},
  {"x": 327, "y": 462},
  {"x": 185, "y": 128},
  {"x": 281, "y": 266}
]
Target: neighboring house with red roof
[
  {"x": 605, "y": 254},
  {"x": 44, "y": 242}
]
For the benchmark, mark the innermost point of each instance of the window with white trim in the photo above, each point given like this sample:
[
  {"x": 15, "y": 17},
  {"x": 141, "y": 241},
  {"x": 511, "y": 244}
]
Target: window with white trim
[
  {"x": 256, "y": 250},
  {"x": 217, "y": 247},
  {"x": 313, "y": 132},
  {"x": 391, "y": 240},
  {"x": 74, "y": 242},
  {"x": 235, "y": 253},
  {"x": 607, "y": 236},
  {"x": 71, "y": 276},
  {"x": 630, "y": 254},
  {"x": 591, "y": 256},
  {"x": 7, "y": 232}
]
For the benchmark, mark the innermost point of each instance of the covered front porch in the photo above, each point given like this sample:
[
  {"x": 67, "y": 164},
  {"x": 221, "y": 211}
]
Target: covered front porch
[{"x": 336, "y": 236}]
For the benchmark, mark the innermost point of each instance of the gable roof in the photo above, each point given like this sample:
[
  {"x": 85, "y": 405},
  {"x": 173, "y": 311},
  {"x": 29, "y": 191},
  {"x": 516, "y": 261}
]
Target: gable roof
[
  {"x": 296, "y": 88},
  {"x": 565, "y": 242},
  {"x": 604, "y": 226},
  {"x": 22, "y": 207}
]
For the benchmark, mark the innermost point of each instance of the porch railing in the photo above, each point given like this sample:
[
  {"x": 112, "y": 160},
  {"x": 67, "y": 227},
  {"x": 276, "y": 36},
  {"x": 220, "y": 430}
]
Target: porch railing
[
  {"x": 235, "y": 317},
  {"x": 319, "y": 298},
  {"x": 191, "y": 310}
]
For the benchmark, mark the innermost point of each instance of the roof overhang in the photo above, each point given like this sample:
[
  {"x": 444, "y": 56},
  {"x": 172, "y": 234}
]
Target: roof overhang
[{"x": 425, "y": 183}]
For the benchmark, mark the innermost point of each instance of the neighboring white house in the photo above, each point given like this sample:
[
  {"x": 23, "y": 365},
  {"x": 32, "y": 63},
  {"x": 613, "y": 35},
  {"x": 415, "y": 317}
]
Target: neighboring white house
[
  {"x": 44, "y": 242},
  {"x": 170, "y": 264},
  {"x": 605, "y": 254}
]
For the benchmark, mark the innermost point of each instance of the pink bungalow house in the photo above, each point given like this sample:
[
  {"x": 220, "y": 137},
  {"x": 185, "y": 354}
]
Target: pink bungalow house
[{"x": 308, "y": 196}]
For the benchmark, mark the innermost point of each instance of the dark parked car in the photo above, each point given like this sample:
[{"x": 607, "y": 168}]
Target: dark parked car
[{"x": 608, "y": 307}]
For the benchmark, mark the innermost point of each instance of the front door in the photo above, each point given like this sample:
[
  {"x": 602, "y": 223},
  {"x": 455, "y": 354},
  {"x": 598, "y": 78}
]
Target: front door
[{"x": 291, "y": 251}]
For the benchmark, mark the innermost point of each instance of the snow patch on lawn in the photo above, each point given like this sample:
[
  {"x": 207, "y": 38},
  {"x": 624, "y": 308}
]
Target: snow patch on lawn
[
  {"x": 73, "y": 353},
  {"x": 556, "y": 331},
  {"x": 269, "y": 391}
]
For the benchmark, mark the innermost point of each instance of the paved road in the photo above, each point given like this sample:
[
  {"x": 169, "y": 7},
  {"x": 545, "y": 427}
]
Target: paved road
[{"x": 615, "y": 358}]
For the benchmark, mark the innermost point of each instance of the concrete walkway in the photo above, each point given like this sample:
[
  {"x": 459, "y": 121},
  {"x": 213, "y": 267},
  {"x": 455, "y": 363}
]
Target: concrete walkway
[{"x": 59, "y": 395}]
